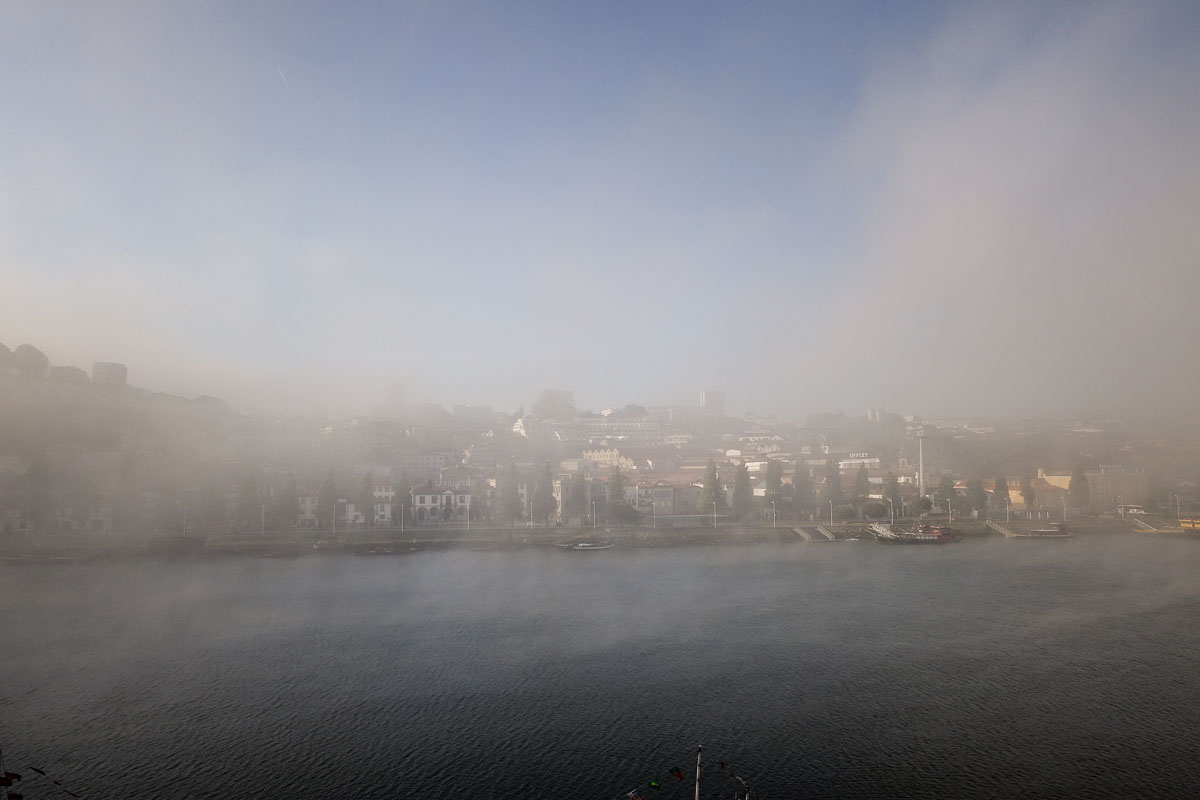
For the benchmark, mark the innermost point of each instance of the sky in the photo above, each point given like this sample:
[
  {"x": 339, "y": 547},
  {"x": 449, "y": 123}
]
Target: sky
[{"x": 930, "y": 207}]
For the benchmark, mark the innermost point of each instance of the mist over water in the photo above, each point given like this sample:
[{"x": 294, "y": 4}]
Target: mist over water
[{"x": 988, "y": 669}]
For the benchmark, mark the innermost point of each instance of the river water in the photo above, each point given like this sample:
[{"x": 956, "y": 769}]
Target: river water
[{"x": 984, "y": 669}]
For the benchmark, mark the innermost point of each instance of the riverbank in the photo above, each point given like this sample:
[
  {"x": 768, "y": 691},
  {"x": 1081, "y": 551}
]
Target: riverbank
[{"x": 57, "y": 548}]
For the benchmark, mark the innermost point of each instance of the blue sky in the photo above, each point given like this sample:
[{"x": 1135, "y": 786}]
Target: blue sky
[{"x": 812, "y": 206}]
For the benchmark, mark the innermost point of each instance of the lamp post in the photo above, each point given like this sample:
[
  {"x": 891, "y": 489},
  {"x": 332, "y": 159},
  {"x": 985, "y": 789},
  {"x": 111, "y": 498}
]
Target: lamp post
[
  {"x": 593, "y": 515},
  {"x": 1007, "y": 510},
  {"x": 949, "y": 513},
  {"x": 1064, "y": 509},
  {"x": 714, "y": 513},
  {"x": 892, "y": 507},
  {"x": 830, "y": 512},
  {"x": 774, "y": 519}
]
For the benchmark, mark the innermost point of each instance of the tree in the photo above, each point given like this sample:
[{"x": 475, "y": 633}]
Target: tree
[
  {"x": 7, "y": 360},
  {"x": 39, "y": 494},
  {"x": 743, "y": 494},
  {"x": 31, "y": 362},
  {"x": 557, "y": 404},
  {"x": 976, "y": 495},
  {"x": 248, "y": 507},
  {"x": 833, "y": 481},
  {"x": 211, "y": 507},
  {"x": 845, "y": 512},
  {"x": 862, "y": 484},
  {"x": 1081, "y": 494},
  {"x": 618, "y": 510},
  {"x": 875, "y": 510},
  {"x": 366, "y": 498},
  {"x": 803, "y": 498},
  {"x": 576, "y": 501},
  {"x": 774, "y": 480},
  {"x": 945, "y": 492},
  {"x": 327, "y": 497},
  {"x": 1027, "y": 492},
  {"x": 891, "y": 491},
  {"x": 543, "y": 495},
  {"x": 1000, "y": 492},
  {"x": 922, "y": 505},
  {"x": 479, "y": 509},
  {"x": 616, "y": 491},
  {"x": 403, "y": 489},
  {"x": 510, "y": 494},
  {"x": 710, "y": 491},
  {"x": 286, "y": 509}
]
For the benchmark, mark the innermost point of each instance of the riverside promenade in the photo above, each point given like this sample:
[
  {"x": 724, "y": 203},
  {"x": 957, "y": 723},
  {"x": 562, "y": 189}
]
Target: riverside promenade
[{"x": 55, "y": 547}]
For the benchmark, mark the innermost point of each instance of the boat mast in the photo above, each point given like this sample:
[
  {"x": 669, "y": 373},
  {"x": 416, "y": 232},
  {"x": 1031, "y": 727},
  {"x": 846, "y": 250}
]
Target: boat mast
[{"x": 699, "y": 747}]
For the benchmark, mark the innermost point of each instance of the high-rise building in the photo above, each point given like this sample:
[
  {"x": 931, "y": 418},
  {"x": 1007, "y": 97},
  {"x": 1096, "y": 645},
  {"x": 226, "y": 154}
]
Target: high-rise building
[{"x": 714, "y": 402}]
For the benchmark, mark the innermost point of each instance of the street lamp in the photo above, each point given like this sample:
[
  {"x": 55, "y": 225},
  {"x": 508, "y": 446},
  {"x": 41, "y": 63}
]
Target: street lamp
[
  {"x": 892, "y": 507},
  {"x": 830, "y": 512},
  {"x": 774, "y": 519},
  {"x": 714, "y": 513},
  {"x": 1064, "y": 509},
  {"x": 1007, "y": 510},
  {"x": 949, "y": 513},
  {"x": 593, "y": 515}
]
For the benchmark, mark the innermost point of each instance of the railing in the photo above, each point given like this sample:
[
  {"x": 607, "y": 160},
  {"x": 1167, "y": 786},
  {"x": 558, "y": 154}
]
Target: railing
[{"x": 998, "y": 528}]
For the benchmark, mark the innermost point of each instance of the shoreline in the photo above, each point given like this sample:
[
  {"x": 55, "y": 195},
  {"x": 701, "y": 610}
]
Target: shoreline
[{"x": 63, "y": 549}]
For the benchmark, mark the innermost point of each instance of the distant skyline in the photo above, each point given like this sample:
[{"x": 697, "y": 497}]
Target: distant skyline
[{"x": 933, "y": 208}]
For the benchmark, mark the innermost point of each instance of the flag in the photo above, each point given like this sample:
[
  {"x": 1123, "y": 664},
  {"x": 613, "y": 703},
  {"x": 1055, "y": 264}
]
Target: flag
[
  {"x": 12, "y": 776},
  {"x": 655, "y": 785},
  {"x": 678, "y": 773}
]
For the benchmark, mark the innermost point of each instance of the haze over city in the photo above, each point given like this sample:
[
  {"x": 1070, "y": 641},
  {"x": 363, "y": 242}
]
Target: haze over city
[{"x": 933, "y": 207}]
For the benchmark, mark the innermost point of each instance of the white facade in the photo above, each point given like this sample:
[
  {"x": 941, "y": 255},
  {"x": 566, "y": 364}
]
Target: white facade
[{"x": 438, "y": 506}]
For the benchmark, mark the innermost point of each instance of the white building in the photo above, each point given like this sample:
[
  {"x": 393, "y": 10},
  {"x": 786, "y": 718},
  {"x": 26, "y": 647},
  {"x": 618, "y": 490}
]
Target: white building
[{"x": 440, "y": 506}]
